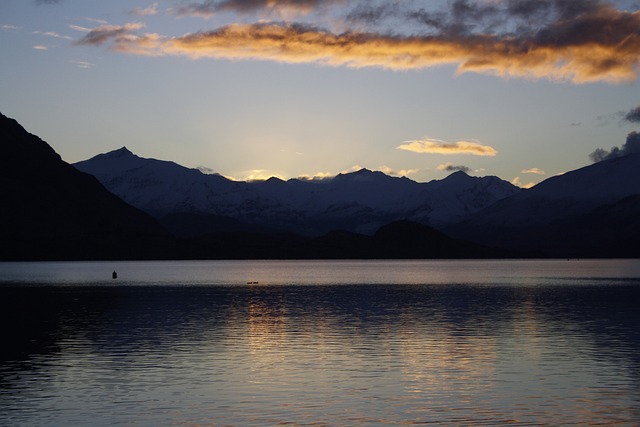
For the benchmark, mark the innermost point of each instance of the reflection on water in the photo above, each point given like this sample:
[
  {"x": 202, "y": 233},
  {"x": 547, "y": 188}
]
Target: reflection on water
[{"x": 522, "y": 353}]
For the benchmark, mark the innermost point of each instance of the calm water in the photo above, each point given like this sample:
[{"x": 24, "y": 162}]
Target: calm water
[{"x": 364, "y": 343}]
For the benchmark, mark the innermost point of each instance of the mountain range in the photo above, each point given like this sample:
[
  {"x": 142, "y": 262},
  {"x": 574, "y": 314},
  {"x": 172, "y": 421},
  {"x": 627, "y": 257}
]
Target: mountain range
[
  {"x": 120, "y": 205},
  {"x": 591, "y": 211},
  {"x": 359, "y": 202}
]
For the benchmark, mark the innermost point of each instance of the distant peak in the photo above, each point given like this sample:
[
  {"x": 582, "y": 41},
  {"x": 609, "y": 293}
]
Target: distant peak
[
  {"x": 118, "y": 154},
  {"x": 124, "y": 151},
  {"x": 360, "y": 175},
  {"x": 363, "y": 171},
  {"x": 121, "y": 153},
  {"x": 458, "y": 176}
]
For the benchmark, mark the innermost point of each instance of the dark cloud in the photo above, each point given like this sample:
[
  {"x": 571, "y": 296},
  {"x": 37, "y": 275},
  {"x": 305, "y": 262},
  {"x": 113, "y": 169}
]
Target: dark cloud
[
  {"x": 510, "y": 18},
  {"x": 105, "y": 33},
  {"x": 206, "y": 9},
  {"x": 633, "y": 116},
  {"x": 450, "y": 167},
  {"x": 631, "y": 146},
  {"x": 211, "y": 7},
  {"x": 599, "y": 24},
  {"x": 372, "y": 14},
  {"x": 467, "y": 16},
  {"x": 529, "y": 8}
]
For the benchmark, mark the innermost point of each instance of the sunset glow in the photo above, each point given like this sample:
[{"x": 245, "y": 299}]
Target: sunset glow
[{"x": 238, "y": 87}]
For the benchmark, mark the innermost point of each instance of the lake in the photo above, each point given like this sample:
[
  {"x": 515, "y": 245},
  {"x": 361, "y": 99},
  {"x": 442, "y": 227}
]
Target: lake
[{"x": 320, "y": 343}]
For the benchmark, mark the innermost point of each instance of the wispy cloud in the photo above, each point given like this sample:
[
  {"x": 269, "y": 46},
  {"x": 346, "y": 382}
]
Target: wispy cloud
[
  {"x": 53, "y": 34},
  {"x": 147, "y": 11},
  {"x": 450, "y": 167},
  {"x": 40, "y": 47},
  {"x": 83, "y": 64},
  {"x": 398, "y": 172},
  {"x": 80, "y": 28},
  {"x": 118, "y": 34},
  {"x": 318, "y": 176},
  {"x": 534, "y": 171},
  {"x": 436, "y": 146},
  {"x": 9, "y": 27},
  {"x": 576, "y": 41},
  {"x": 97, "y": 21}
]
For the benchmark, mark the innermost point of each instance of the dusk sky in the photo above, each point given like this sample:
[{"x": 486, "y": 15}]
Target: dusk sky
[{"x": 520, "y": 89}]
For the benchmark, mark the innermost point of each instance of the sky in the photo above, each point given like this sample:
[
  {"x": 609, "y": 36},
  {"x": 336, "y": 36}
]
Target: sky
[{"x": 520, "y": 89}]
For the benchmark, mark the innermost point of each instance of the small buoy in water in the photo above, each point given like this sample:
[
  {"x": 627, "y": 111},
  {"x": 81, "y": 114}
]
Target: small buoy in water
[{"x": 114, "y": 275}]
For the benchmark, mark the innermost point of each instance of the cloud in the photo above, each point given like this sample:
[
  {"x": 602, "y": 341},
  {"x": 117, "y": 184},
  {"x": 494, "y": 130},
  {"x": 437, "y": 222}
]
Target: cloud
[
  {"x": 40, "y": 47},
  {"x": 261, "y": 175},
  {"x": 450, "y": 167},
  {"x": 580, "y": 42},
  {"x": 394, "y": 172},
  {"x": 632, "y": 145},
  {"x": 209, "y": 8},
  {"x": 79, "y": 28},
  {"x": 83, "y": 64},
  {"x": 354, "y": 168},
  {"x": 9, "y": 27},
  {"x": 518, "y": 183},
  {"x": 534, "y": 171},
  {"x": 53, "y": 34},
  {"x": 372, "y": 13},
  {"x": 435, "y": 146},
  {"x": 633, "y": 116},
  {"x": 151, "y": 10},
  {"x": 320, "y": 176},
  {"x": 123, "y": 39}
]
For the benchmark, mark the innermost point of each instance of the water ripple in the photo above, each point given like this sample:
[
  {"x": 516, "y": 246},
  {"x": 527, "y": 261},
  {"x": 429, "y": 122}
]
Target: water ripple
[{"x": 321, "y": 355}]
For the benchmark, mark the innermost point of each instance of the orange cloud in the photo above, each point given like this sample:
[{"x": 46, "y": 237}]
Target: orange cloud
[
  {"x": 518, "y": 183},
  {"x": 602, "y": 44},
  {"x": 435, "y": 146},
  {"x": 534, "y": 171},
  {"x": 395, "y": 172}
]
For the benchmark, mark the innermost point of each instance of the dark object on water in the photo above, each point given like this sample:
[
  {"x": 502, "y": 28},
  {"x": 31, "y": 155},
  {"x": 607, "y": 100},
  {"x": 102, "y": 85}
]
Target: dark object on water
[{"x": 114, "y": 274}]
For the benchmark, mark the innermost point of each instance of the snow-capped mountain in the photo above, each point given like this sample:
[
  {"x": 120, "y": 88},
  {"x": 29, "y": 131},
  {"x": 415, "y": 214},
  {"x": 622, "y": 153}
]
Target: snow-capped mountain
[{"x": 361, "y": 201}]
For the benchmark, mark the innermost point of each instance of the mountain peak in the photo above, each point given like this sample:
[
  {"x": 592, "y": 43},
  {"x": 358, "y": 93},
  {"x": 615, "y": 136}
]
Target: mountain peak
[
  {"x": 120, "y": 156},
  {"x": 121, "y": 152},
  {"x": 458, "y": 175},
  {"x": 362, "y": 175}
]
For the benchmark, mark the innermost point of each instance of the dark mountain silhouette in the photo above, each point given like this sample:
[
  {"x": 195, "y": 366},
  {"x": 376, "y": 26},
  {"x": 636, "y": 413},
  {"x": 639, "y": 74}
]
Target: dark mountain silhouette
[
  {"x": 50, "y": 210},
  {"x": 590, "y": 212},
  {"x": 397, "y": 240}
]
